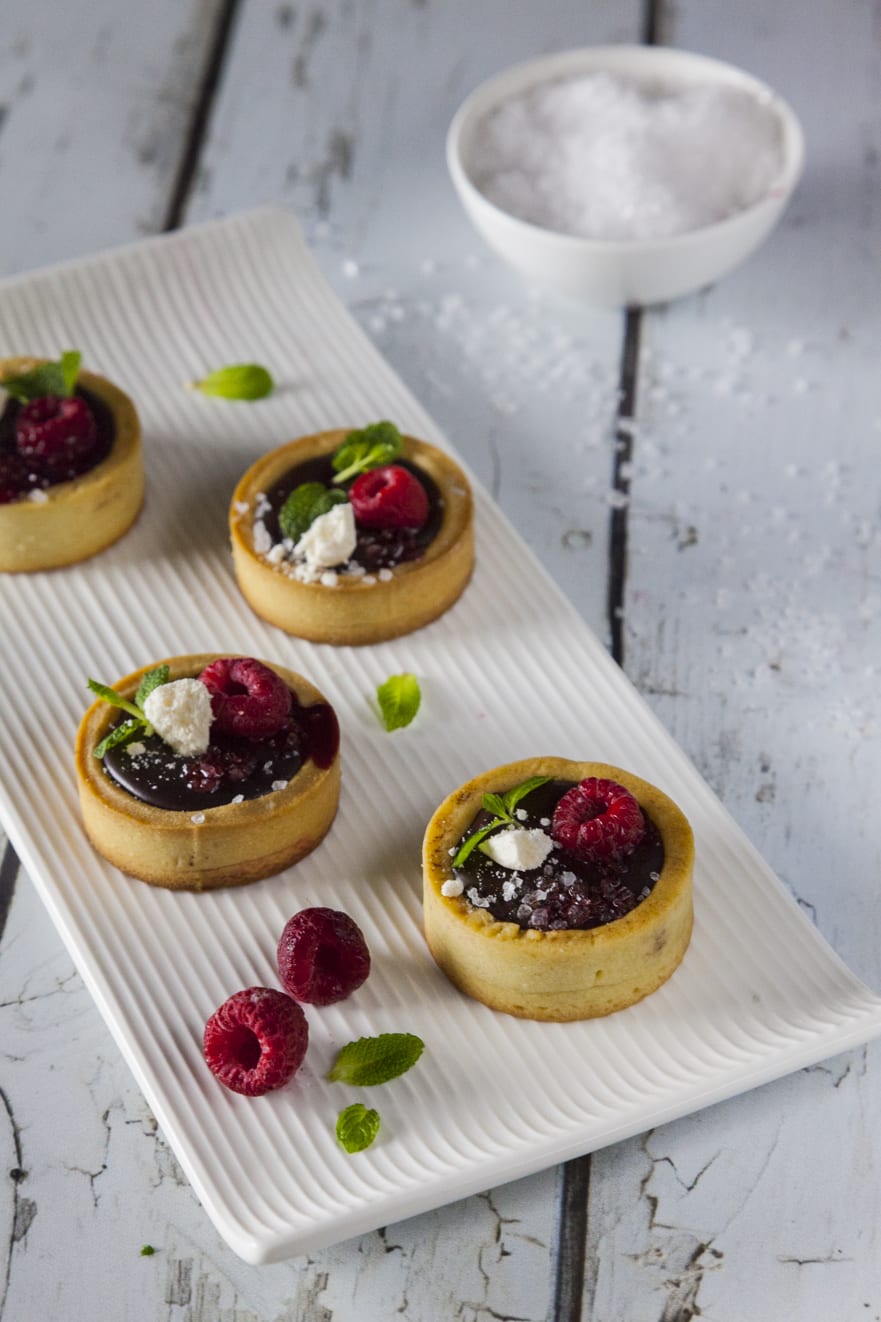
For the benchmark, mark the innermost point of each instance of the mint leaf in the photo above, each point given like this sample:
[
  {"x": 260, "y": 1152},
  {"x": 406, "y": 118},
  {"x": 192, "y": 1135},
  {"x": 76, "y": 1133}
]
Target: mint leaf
[
  {"x": 295, "y": 515},
  {"x": 474, "y": 840},
  {"x": 494, "y": 803},
  {"x": 55, "y": 378},
  {"x": 304, "y": 505},
  {"x": 377, "y": 444},
  {"x": 513, "y": 796},
  {"x": 356, "y": 1127},
  {"x": 373, "y": 1060},
  {"x": 239, "y": 381},
  {"x": 147, "y": 1251},
  {"x": 121, "y": 735},
  {"x": 152, "y": 680},
  {"x": 115, "y": 699},
  {"x": 399, "y": 698}
]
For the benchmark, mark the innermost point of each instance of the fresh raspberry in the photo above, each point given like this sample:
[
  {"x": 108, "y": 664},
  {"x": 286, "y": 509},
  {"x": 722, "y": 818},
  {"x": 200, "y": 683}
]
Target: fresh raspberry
[
  {"x": 389, "y": 497},
  {"x": 58, "y": 434},
  {"x": 247, "y": 698},
  {"x": 256, "y": 1040},
  {"x": 598, "y": 819},
  {"x": 15, "y": 477},
  {"x": 322, "y": 956}
]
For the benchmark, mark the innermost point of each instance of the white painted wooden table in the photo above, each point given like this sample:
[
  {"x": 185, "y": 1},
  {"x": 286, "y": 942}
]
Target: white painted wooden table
[{"x": 739, "y": 586}]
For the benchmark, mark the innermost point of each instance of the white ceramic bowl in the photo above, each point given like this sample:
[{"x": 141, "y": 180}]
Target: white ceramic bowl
[{"x": 630, "y": 272}]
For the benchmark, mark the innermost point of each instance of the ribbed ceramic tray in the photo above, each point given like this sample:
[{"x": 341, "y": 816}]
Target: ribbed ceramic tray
[{"x": 759, "y": 992}]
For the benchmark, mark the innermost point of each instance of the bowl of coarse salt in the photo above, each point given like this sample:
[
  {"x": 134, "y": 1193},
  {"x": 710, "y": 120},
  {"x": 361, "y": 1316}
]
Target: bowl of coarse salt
[{"x": 625, "y": 175}]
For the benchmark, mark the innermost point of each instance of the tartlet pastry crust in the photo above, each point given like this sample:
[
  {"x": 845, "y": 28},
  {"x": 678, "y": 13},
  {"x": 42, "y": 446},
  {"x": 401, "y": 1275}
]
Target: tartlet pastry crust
[
  {"x": 558, "y": 975},
  {"x": 236, "y": 843},
  {"x": 83, "y": 516},
  {"x": 354, "y": 612}
]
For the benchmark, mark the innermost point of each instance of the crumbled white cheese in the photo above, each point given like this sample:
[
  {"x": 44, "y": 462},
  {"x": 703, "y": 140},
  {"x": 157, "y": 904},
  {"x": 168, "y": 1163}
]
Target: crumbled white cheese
[
  {"x": 262, "y": 539},
  {"x": 180, "y": 713},
  {"x": 519, "y": 849},
  {"x": 330, "y": 539},
  {"x": 276, "y": 553},
  {"x": 329, "y": 578},
  {"x": 452, "y": 887}
]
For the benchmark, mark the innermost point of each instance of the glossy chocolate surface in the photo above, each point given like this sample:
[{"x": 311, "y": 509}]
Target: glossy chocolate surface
[
  {"x": 565, "y": 892},
  {"x": 230, "y": 768},
  {"x": 377, "y": 548}
]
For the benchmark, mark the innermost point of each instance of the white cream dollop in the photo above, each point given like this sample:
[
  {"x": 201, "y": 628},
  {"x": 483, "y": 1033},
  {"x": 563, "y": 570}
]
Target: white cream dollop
[
  {"x": 330, "y": 539},
  {"x": 518, "y": 849},
  {"x": 180, "y": 713}
]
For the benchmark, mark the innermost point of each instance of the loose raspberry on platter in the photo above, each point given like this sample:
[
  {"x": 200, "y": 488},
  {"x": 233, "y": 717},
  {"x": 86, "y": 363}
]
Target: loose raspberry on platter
[
  {"x": 58, "y": 434},
  {"x": 322, "y": 956},
  {"x": 598, "y": 819},
  {"x": 389, "y": 497},
  {"x": 248, "y": 699},
  {"x": 256, "y": 1041}
]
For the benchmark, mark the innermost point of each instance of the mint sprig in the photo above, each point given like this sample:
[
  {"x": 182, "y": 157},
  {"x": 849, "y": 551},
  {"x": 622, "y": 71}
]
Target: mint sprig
[
  {"x": 304, "y": 505},
  {"x": 238, "y": 381},
  {"x": 372, "y": 1060},
  {"x": 137, "y": 726},
  {"x": 55, "y": 378},
  {"x": 503, "y": 806},
  {"x": 370, "y": 447},
  {"x": 399, "y": 698},
  {"x": 356, "y": 1127}
]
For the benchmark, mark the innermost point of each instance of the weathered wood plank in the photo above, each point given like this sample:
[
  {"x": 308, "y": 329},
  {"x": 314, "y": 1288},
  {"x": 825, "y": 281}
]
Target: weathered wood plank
[
  {"x": 752, "y": 626},
  {"x": 95, "y": 103}
]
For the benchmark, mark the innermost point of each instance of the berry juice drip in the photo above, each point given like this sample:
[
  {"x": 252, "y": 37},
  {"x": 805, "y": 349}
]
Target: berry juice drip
[
  {"x": 230, "y": 768},
  {"x": 377, "y": 548},
  {"x": 565, "y": 893}
]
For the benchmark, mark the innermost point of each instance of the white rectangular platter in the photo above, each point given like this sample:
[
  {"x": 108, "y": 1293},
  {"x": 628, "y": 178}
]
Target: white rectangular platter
[{"x": 511, "y": 671}]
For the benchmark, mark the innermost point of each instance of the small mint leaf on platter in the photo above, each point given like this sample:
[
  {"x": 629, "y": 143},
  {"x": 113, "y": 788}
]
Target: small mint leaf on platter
[
  {"x": 153, "y": 679},
  {"x": 513, "y": 796},
  {"x": 54, "y": 378},
  {"x": 120, "y": 736},
  {"x": 238, "y": 381},
  {"x": 372, "y": 1060},
  {"x": 357, "y": 1127},
  {"x": 372, "y": 446},
  {"x": 399, "y": 698},
  {"x": 147, "y": 1251}
]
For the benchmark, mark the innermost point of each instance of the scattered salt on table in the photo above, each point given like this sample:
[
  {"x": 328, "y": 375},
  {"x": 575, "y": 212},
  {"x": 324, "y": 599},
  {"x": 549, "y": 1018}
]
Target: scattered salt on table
[{"x": 605, "y": 157}]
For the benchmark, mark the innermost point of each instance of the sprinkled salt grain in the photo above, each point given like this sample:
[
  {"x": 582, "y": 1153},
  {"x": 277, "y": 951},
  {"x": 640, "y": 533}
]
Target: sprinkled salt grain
[
  {"x": 197, "y": 818},
  {"x": 385, "y": 575},
  {"x": 279, "y": 785},
  {"x": 544, "y": 821},
  {"x": 329, "y": 578},
  {"x": 135, "y": 749},
  {"x": 240, "y": 506},
  {"x": 521, "y": 814},
  {"x": 37, "y": 496},
  {"x": 239, "y": 798},
  {"x": 452, "y": 887},
  {"x": 478, "y": 900},
  {"x": 604, "y": 157},
  {"x": 368, "y": 580}
]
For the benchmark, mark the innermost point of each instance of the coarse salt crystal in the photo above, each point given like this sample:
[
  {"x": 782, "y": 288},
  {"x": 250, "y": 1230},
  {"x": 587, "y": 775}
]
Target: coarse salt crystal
[
  {"x": 279, "y": 785},
  {"x": 197, "y": 818},
  {"x": 452, "y": 887},
  {"x": 385, "y": 575},
  {"x": 604, "y": 157},
  {"x": 239, "y": 798}
]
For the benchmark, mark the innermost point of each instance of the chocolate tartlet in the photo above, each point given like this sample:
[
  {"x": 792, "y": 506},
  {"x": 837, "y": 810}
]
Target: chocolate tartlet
[
  {"x": 63, "y": 521},
  {"x": 396, "y": 580},
  {"x": 572, "y": 942},
  {"x": 276, "y": 796}
]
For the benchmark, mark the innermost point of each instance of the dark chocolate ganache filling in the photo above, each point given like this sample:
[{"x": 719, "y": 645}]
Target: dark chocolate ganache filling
[
  {"x": 39, "y": 478},
  {"x": 377, "y": 548},
  {"x": 564, "y": 892},
  {"x": 231, "y": 768}
]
